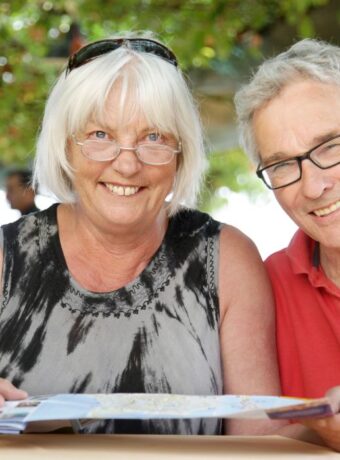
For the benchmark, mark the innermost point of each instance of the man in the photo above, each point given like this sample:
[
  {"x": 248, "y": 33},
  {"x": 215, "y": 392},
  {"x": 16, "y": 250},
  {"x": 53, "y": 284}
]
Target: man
[
  {"x": 19, "y": 192},
  {"x": 289, "y": 116}
]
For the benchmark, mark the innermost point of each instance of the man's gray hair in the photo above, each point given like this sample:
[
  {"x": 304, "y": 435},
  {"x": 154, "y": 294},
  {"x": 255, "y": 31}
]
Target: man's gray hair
[
  {"x": 159, "y": 92},
  {"x": 306, "y": 59}
]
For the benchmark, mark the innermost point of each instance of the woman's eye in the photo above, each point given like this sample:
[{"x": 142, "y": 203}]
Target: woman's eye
[
  {"x": 98, "y": 135},
  {"x": 153, "y": 137}
]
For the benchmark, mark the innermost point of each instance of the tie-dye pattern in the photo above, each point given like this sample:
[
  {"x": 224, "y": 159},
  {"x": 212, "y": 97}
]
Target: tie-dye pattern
[{"x": 157, "y": 334}]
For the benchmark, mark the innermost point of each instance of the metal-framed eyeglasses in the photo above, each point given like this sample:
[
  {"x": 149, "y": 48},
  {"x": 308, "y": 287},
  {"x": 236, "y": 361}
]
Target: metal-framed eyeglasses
[
  {"x": 106, "y": 150},
  {"x": 286, "y": 172}
]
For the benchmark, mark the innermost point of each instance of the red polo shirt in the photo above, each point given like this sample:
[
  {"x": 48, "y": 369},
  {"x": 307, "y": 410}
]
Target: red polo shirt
[{"x": 307, "y": 320}]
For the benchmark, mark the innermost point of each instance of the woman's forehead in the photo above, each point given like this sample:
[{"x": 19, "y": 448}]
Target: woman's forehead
[
  {"x": 112, "y": 121},
  {"x": 128, "y": 112},
  {"x": 126, "y": 103}
]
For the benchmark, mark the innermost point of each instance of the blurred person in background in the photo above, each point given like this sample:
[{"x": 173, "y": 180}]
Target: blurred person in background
[
  {"x": 19, "y": 191},
  {"x": 289, "y": 115}
]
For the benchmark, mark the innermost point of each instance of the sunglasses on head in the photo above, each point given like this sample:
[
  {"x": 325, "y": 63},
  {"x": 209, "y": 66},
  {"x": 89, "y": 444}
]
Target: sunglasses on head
[{"x": 145, "y": 45}]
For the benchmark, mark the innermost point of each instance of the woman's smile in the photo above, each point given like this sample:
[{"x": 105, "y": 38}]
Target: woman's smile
[{"x": 122, "y": 190}]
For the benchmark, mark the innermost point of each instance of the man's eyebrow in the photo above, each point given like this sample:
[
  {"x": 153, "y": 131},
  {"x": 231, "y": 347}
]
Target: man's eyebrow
[
  {"x": 275, "y": 157},
  {"x": 324, "y": 137}
]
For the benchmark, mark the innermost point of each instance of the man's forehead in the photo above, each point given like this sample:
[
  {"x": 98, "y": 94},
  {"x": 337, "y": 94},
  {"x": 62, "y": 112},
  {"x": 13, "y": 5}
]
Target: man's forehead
[
  {"x": 296, "y": 120},
  {"x": 300, "y": 96}
]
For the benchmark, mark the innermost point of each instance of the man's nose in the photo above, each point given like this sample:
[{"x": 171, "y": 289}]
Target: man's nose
[{"x": 315, "y": 181}]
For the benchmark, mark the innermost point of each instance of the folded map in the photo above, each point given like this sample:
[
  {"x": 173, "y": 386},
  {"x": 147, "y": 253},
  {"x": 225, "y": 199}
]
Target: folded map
[{"x": 16, "y": 415}]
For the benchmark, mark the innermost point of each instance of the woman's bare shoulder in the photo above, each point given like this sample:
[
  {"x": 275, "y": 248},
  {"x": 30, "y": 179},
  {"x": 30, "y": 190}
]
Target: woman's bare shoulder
[
  {"x": 241, "y": 269},
  {"x": 235, "y": 243}
]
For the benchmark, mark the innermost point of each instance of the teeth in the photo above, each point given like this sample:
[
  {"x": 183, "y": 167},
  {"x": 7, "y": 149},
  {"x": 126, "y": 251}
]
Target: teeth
[
  {"x": 122, "y": 191},
  {"x": 328, "y": 210}
]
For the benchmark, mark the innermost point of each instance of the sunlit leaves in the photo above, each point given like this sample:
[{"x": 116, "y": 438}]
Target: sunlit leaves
[{"x": 223, "y": 35}]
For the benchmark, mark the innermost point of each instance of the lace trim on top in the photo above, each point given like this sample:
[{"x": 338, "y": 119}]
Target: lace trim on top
[{"x": 137, "y": 295}]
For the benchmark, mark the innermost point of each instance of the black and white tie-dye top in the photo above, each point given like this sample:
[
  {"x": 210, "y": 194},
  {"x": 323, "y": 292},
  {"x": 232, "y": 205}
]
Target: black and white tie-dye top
[{"x": 158, "y": 334}]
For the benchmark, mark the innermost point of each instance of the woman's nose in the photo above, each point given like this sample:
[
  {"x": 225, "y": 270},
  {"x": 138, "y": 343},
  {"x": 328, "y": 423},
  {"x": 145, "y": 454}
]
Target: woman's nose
[{"x": 127, "y": 162}]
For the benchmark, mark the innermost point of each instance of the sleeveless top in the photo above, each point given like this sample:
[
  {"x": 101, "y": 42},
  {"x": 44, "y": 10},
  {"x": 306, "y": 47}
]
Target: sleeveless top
[{"x": 158, "y": 334}]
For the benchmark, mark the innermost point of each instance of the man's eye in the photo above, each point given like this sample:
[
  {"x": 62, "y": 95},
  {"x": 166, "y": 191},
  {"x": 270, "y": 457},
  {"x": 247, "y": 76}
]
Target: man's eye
[
  {"x": 283, "y": 166},
  {"x": 330, "y": 148}
]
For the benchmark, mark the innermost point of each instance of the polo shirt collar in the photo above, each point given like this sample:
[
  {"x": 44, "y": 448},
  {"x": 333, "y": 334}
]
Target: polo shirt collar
[{"x": 303, "y": 254}]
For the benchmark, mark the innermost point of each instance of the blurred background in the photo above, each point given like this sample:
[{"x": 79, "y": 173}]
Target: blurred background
[{"x": 218, "y": 44}]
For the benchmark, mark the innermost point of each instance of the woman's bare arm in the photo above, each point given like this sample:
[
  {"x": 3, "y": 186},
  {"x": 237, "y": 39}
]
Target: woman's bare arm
[
  {"x": 247, "y": 327},
  {"x": 7, "y": 390}
]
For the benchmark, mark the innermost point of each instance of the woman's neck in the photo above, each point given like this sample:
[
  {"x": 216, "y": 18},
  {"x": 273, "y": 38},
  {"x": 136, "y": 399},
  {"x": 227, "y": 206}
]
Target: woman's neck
[{"x": 100, "y": 260}]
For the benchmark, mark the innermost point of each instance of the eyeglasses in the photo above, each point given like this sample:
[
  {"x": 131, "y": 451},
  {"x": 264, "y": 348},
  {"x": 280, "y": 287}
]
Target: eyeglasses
[
  {"x": 93, "y": 50},
  {"x": 149, "y": 154},
  {"x": 287, "y": 172}
]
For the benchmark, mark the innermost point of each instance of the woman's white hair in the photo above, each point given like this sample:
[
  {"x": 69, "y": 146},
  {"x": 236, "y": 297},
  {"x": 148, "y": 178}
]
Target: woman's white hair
[
  {"x": 159, "y": 92},
  {"x": 307, "y": 59}
]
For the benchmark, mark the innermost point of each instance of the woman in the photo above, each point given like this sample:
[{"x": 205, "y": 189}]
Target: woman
[{"x": 122, "y": 287}]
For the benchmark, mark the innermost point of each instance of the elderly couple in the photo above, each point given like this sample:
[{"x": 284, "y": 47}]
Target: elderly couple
[{"x": 124, "y": 287}]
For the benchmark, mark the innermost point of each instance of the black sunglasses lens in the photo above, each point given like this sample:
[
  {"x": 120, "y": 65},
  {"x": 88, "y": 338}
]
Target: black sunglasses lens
[
  {"x": 149, "y": 46},
  {"x": 93, "y": 50}
]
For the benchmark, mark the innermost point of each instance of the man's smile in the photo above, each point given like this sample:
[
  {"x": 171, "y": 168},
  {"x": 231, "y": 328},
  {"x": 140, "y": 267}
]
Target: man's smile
[{"x": 321, "y": 212}]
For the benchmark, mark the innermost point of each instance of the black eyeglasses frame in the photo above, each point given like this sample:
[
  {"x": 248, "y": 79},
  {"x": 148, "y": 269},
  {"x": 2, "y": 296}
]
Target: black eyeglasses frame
[{"x": 299, "y": 159}]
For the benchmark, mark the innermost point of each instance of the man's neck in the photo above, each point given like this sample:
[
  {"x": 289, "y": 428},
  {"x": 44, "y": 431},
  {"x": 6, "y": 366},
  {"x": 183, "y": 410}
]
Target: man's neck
[{"x": 330, "y": 263}]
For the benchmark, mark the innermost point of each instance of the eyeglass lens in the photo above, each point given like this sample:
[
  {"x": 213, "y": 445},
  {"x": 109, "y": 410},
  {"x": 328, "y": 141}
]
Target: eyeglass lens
[
  {"x": 149, "y": 154},
  {"x": 286, "y": 172}
]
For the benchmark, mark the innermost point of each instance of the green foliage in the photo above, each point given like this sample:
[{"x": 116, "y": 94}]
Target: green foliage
[
  {"x": 231, "y": 169},
  {"x": 203, "y": 33},
  {"x": 296, "y": 13}
]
